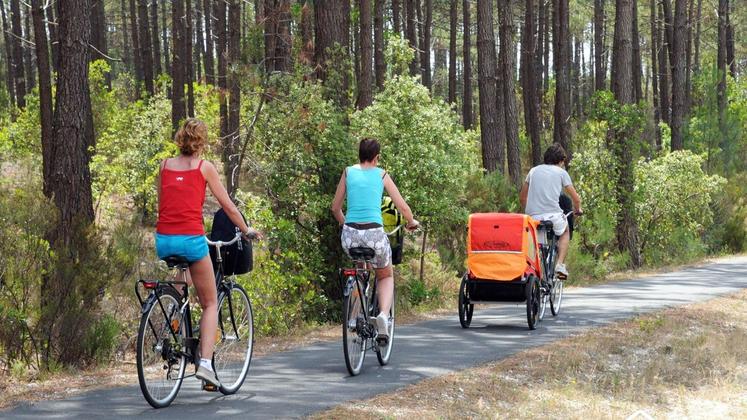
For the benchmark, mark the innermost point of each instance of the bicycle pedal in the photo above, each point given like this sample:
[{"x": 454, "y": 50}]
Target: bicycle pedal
[{"x": 209, "y": 387}]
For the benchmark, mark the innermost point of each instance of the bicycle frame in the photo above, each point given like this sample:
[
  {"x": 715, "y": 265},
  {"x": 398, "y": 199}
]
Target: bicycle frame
[{"x": 362, "y": 284}]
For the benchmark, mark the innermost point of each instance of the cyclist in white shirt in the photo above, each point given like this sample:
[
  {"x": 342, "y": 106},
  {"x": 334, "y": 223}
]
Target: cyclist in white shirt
[{"x": 540, "y": 196}]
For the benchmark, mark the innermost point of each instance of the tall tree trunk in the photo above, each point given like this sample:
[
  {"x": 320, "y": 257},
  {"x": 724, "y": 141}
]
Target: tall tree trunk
[
  {"x": 426, "y": 47},
  {"x": 622, "y": 86},
  {"x": 576, "y": 78},
  {"x": 508, "y": 69},
  {"x": 730, "y": 61},
  {"x": 529, "y": 83},
  {"x": 678, "y": 74},
  {"x": 379, "y": 61},
  {"x": 467, "y": 118},
  {"x": 721, "y": 64},
  {"x": 189, "y": 70},
  {"x": 7, "y": 42},
  {"x": 332, "y": 23},
  {"x": 155, "y": 38},
  {"x": 546, "y": 47},
  {"x": 19, "y": 72},
  {"x": 561, "y": 60},
  {"x": 52, "y": 20},
  {"x": 199, "y": 48},
  {"x": 126, "y": 52},
  {"x": 664, "y": 94},
  {"x": 178, "y": 107},
  {"x": 98, "y": 30},
  {"x": 599, "y": 74},
  {"x": 138, "y": 57},
  {"x": 231, "y": 141},
  {"x": 209, "y": 49},
  {"x": 411, "y": 33},
  {"x": 165, "y": 38},
  {"x": 221, "y": 49},
  {"x": 655, "y": 40},
  {"x": 28, "y": 56},
  {"x": 669, "y": 32},
  {"x": 396, "y": 17},
  {"x": 697, "y": 36},
  {"x": 637, "y": 65},
  {"x": 307, "y": 35},
  {"x": 689, "y": 57},
  {"x": 146, "y": 55},
  {"x": 277, "y": 13},
  {"x": 45, "y": 89},
  {"x": 453, "y": 22},
  {"x": 365, "y": 96},
  {"x": 493, "y": 153}
]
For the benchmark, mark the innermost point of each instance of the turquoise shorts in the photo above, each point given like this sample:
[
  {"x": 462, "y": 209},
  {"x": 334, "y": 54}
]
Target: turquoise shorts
[{"x": 191, "y": 247}]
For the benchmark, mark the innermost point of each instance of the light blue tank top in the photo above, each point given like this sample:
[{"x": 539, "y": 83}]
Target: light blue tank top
[{"x": 365, "y": 188}]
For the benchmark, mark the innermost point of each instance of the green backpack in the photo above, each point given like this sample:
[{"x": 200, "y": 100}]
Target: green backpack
[{"x": 393, "y": 218}]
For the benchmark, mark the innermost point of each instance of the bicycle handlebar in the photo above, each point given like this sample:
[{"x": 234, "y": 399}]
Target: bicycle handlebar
[{"x": 223, "y": 243}]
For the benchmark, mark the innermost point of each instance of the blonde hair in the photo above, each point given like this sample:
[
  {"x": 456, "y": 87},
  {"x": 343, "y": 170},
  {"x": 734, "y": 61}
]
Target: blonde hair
[{"x": 191, "y": 137}]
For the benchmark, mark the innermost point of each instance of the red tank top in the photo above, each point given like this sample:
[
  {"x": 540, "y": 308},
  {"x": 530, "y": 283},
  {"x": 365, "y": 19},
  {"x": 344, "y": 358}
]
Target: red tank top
[{"x": 180, "y": 205}]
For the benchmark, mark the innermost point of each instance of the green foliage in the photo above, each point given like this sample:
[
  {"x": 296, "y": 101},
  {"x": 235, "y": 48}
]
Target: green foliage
[
  {"x": 728, "y": 232},
  {"x": 101, "y": 340},
  {"x": 398, "y": 55},
  {"x": 673, "y": 206},
  {"x": 424, "y": 148}
]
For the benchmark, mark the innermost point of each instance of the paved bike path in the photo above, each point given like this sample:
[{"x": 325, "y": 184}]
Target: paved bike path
[{"x": 300, "y": 382}]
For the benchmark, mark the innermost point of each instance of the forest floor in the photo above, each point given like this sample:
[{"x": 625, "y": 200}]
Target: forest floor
[
  {"x": 687, "y": 362},
  {"x": 20, "y": 386}
]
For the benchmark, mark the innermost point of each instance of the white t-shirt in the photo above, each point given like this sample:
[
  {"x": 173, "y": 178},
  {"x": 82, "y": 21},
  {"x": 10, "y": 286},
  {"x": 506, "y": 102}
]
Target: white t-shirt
[{"x": 546, "y": 182}]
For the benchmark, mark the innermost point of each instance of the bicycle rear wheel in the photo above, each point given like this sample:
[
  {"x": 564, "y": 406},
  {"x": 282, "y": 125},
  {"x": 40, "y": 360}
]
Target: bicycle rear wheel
[
  {"x": 353, "y": 319},
  {"x": 533, "y": 295},
  {"x": 160, "y": 363},
  {"x": 383, "y": 353},
  {"x": 235, "y": 340},
  {"x": 465, "y": 308}
]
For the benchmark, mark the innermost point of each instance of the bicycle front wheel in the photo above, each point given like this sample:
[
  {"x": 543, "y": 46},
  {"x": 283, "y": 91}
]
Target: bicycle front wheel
[
  {"x": 160, "y": 362},
  {"x": 353, "y": 320},
  {"x": 533, "y": 296},
  {"x": 235, "y": 341},
  {"x": 383, "y": 353}
]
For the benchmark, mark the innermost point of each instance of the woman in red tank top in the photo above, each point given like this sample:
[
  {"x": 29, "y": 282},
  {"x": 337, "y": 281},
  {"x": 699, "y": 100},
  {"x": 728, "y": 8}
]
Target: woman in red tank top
[{"x": 180, "y": 231}]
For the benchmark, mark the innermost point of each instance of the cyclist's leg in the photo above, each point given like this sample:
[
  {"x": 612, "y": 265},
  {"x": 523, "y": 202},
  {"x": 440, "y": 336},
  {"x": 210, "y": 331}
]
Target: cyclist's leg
[
  {"x": 385, "y": 288},
  {"x": 563, "y": 244},
  {"x": 204, "y": 281}
]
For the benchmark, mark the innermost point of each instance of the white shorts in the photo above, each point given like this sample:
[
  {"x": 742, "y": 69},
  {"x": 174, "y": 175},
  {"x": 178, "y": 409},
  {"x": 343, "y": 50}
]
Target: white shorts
[
  {"x": 559, "y": 222},
  {"x": 375, "y": 239}
]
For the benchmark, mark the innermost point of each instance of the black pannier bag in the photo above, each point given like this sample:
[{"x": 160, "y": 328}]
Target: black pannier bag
[{"x": 237, "y": 258}]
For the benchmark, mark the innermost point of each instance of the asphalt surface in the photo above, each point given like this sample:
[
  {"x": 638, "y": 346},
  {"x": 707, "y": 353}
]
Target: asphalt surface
[{"x": 303, "y": 381}]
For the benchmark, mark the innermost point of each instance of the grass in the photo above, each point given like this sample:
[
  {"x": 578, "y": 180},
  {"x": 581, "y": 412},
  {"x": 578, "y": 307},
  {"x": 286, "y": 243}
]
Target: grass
[{"x": 684, "y": 362}]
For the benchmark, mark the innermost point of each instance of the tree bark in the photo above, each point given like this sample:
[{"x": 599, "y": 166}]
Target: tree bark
[
  {"x": 678, "y": 74},
  {"x": 7, "y": 42},
  {"x": 155, "y": 38},
  {"x": 425, "y": 62},
  {"x": 411, "y": 33},
  {"x": 396, "y": 17},
  {"x": 332, "y": 23},
  {"x": 529, "y": 83},
  {"x": 45, "y": 89},
  {"x": 165, "y": 38},
  {"x": 98, "y": 30},
  {"x": 221, "y": 48},
  {"x": 189, "y": 70},
  {"x": 138, "y": 57},
  {"x": 599, "y": 73},
  {"x": 307, "y": 34},
  {"x": 546, "y": 47},
  {"x": 637, "y": 65},
  {"x": 508, "y": 69},
  {"x": 561, "y": 60},
  {"x": 207, "y": 8},
  {"x": 365, "y": 95},
  {"x": 146, "y": 55},
  {"x": 467, "y": 118},
  {"x": 697, "y": 36},
  {"x": 493, "y": 153},
  {"x": 52, "y": 20},
  {"x": 453, "y": 22},
  {"x": 664, "y": 94},
  {"x": 28, "y": 56},
  {"x": 655, "y": 40},
  {"x": 622, "y": 86},
  {"x": 730, "y": 61},
  {"x": 199, "y": 47},
  {"x": 178, "y": 107},
  {"x": 689, "y": 57},
  {"x": 379, "y": 60},
  {"x": 721, "y": 64},
  {"x": 19, "y": 73},
  {"x": 231, "y": 140},
  {"x": 126, "y": 52}
]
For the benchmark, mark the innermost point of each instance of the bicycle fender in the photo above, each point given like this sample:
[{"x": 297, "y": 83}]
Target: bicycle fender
[
  {"x": 349, "y": 284},
  {"x": 149, "y": 301}
]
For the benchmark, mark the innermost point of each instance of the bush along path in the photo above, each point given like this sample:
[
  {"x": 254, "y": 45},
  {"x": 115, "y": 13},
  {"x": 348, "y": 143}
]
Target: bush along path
[{"x": 313, "y": 378}]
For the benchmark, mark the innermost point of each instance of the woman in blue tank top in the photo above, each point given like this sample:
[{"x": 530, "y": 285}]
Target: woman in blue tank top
[{"x": 363, "y": 185}]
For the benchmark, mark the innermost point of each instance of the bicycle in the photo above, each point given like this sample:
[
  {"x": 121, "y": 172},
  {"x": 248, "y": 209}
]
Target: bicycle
[
  {"x": 551, "y": 288},
  {"x": 166, "y": 339},
  {"x": 359, "y": 309}
]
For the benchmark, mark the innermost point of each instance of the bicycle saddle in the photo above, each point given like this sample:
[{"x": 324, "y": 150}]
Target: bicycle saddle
[
  {"x": 547, "y": 224},
  {"x": 362, "y": 253},
  {"x": 176, "y": 261}
]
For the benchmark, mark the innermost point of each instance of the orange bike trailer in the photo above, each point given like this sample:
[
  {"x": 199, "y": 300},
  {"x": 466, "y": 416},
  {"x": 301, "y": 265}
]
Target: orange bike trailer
[{"x": 502, "y": 247}]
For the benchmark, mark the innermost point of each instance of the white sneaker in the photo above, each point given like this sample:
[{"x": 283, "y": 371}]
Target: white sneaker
[
  {"x": 561, "y": 271},
  {"x": 382, "y": 325},
  {"x": 207, "y": 375}
]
